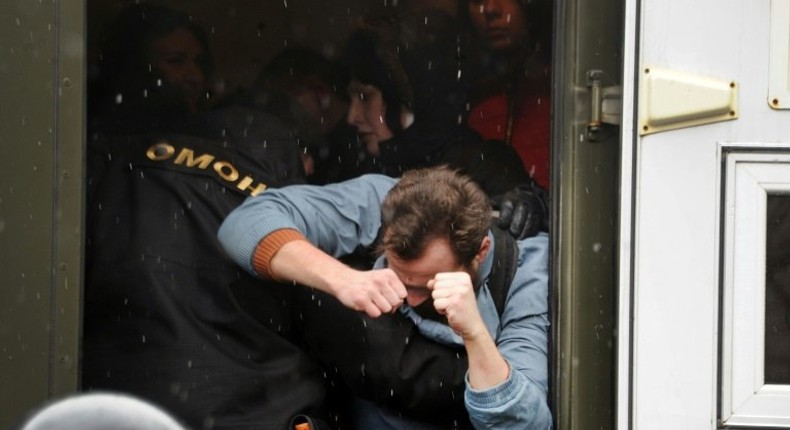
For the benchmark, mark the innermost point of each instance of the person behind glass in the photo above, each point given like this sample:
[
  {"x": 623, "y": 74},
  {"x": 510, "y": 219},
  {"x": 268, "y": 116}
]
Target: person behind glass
[
  {"x": 407, "y": 89},
  {"x": 408, "y": 100},
  {"x": 153, "y": 67},
  {"x": 316, "y": 104},
  {"x": 436, "y": 255},
  {"x": 511, "y": 100},
  {"x": 307, "y": 91},
  {"x": 168, "y": 317}
]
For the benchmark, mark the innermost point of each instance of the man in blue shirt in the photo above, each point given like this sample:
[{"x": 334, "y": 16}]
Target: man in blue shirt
[{"x": 433, "y": 231}]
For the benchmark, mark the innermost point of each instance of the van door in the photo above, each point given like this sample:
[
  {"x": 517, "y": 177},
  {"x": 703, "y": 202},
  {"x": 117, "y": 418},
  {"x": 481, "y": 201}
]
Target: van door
[
  {"x": 587, "y": 79},
  {"x": 41, "y": 199},
  {"x": 704, "y": 155}
]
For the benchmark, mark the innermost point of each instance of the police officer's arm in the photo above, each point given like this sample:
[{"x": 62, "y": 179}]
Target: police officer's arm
[{"x": 373, "y": 292}]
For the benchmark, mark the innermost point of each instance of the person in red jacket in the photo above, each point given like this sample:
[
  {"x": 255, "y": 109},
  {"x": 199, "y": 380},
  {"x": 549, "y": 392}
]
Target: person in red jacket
[{"x": 512, "y": 103}]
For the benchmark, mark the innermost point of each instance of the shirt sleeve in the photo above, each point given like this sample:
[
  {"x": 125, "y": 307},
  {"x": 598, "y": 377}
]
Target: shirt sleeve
[
  {"x": 336, "y": 218},
  {"x": 521, "y": 400}
]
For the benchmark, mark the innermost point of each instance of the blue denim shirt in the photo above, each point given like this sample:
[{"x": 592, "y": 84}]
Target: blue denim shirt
[{"x": 338, "y": 218}]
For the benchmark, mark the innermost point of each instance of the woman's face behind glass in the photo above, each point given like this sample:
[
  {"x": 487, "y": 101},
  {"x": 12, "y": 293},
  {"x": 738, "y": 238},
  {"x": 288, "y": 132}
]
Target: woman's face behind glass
[
  {"x": 501, "y": 23},
  {"x": 367, "y": 112}
]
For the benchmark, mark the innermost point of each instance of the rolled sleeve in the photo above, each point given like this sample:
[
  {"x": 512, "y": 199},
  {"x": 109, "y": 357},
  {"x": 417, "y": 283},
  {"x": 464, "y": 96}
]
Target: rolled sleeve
[
  {"x": 521, "y": 400},
  {"x": 337, "y": 218},
  {"x": 517, "y": 400}
]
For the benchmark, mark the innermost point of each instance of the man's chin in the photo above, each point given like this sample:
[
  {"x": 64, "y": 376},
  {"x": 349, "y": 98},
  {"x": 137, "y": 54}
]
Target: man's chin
[{"x": 428, "y": 311}]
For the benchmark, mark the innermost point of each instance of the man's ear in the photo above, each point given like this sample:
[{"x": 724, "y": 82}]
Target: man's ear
[{"x": 485, "y": 247}]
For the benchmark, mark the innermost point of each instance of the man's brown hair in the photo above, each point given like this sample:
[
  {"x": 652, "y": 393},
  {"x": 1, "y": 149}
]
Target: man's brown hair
[{"x": 434, "y": 203}]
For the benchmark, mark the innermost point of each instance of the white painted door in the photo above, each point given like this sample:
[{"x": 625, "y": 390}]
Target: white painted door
[{"x": 693, "y": 278}]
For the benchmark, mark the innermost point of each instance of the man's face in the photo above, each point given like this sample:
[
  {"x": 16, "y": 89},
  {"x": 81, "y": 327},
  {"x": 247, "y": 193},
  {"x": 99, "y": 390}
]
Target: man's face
[
  {"x": 318, "y": 99},
  {"x": 178, "y": 57},
  {"x": 438, "y": 257},
  {"x": 366, "y": 113},
  {"x": 501, "y": 23}
]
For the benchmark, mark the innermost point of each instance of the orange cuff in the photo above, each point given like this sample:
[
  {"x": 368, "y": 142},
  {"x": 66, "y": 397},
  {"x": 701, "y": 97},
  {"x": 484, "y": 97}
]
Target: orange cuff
[{"x": 268, "y": 247}]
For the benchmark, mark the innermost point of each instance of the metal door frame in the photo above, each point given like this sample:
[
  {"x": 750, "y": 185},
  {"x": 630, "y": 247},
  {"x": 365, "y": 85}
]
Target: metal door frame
[{"x": 41, "y": 203}]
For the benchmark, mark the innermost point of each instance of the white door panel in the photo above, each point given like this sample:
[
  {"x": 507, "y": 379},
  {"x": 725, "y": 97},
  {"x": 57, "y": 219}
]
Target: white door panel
[
  {"x": 675, "y": 277},
  {"x": 675, "y": 294}
]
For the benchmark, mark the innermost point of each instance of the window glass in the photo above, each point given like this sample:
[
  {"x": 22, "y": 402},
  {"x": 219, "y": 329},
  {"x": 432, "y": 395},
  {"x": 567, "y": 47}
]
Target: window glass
[
  {"x": 194, "y": 106},
  {"x": 777, "y": 290}
]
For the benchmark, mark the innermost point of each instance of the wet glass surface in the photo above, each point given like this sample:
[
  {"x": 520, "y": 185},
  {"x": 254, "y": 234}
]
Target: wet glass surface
[
  {"x": 777, "y": 290},
  {"x": 195, "y": 106}
]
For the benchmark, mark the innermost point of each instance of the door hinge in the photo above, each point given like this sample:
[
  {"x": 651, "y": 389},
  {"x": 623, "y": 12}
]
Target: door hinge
[{"x": 606, "y": 103}]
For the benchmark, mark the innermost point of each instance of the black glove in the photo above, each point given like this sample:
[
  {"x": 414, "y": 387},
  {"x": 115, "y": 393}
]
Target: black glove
[{"x": 523, "y": 210}]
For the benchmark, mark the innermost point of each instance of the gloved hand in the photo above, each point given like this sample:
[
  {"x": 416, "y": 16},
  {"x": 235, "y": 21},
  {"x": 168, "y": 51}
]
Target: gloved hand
[{"x": 523, "y": 210}]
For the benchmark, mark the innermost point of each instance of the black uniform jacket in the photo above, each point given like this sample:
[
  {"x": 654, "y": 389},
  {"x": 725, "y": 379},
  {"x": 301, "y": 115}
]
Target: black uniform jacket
[{"x": 162, "y": 319}]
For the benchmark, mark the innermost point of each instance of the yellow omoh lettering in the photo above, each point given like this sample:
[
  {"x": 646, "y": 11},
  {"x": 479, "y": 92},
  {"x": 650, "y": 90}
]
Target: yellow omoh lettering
[
  {"x": 163, "y": 151},
  {"x": 187, "y": 155},
  {"x": 245, "y": 185},
  {"x": 231, "y": 175},
  {"x": 160, "y": 151}
]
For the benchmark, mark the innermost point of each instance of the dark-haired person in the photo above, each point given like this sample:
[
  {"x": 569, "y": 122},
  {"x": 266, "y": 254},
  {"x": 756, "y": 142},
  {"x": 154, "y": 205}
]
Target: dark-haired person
[
  {"x": 307, "y": 91},
  {"x": 408, "y": 101},
  {"x": 407, "y": 89},
  {"x": 168, "y": 317},
  {"x": 153, "y": 70},
  {"x": 511, "y": 96},
  {"x": 436, "y": 254}
]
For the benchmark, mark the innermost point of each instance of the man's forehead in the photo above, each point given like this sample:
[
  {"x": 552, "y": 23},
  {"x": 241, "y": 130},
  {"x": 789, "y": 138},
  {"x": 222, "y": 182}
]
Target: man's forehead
[
  {"x": 437, "y": 257},
  {"x": 410, "y": 275}
]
